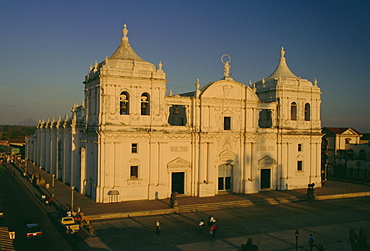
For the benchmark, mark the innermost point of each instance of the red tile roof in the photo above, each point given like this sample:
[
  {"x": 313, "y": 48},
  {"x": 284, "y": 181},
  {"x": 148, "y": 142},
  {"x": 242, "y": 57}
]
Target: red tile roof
[{"x": 340, "y": 130}]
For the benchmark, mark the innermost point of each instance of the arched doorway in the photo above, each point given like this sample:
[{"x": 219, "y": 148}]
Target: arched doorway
[{"x": 225, "y": 172}]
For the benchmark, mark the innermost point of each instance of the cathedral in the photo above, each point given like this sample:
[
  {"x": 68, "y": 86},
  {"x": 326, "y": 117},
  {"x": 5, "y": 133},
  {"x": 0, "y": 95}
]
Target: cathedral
[{"x": 132, "y": 140}]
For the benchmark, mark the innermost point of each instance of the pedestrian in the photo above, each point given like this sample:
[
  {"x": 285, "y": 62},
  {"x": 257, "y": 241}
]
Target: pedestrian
[
  {"x": 69, "y": 213},
  {"x": 212, "y": 231},
  {"x": 50, "y": 201},
  {"x": 211, "y": 220},
  {"x": 249, "y": 246},
  {"x": 157, "y": 226},
  {"x": 311, "y": 242},
  {"x": 43, "y": 198},
  {"x": 201, "y": 226}
]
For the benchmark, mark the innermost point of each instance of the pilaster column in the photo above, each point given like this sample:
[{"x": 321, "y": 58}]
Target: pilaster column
[
  {"x": 47, "y": 149},
  {"x": 202, "y": 162}
]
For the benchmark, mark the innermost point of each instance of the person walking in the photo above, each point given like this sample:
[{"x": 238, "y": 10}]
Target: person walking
[
  {"x": 201, "y": 226},
  {"x": 50, "y": 201},
  {"x": 311, "y": 242},
  {"x": 212, "y": 231},
  {"x": 157, "y": 226},
  {"x": 249, "y": 246},
  {"x": 43, "y": 198},
  {"x": 211, "y": 220}
]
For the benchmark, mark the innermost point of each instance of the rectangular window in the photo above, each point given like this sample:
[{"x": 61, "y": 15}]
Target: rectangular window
[
  {"x": 134, "y": 172},
  {"x": 227, "y": 123},
  {"x": 299, "y": 165},
  {"x": 134, "y": 148},
  {"x": 299, "y": 147}
]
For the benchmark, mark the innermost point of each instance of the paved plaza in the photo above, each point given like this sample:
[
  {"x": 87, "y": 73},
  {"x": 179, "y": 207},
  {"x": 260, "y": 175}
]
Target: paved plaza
[{"x": 332, "y": 236}]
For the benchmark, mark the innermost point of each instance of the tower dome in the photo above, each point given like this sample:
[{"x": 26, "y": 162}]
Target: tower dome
[
  {"x": 282, "y": 70},
  {"x": 124, "y": 50}
]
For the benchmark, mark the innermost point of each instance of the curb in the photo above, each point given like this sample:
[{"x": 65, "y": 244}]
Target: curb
[
  {"x": 342, "y": 196},
  {"x": 130, "y": 214}
]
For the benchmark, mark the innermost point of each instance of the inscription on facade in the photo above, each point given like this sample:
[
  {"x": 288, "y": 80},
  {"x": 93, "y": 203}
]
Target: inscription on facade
[
  {"x": 267, "y": 148},
  {"x": 179, "y": 148}
]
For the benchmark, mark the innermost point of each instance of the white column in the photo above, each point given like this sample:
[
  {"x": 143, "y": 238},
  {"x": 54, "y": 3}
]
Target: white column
[
  {"x": 42, "y": 146},
  {"x": 47, "y": 148},
  {"x": 210, "y": 168},
  {"x": 83, "y": 180},
  {"x": 202, "y": 162},
  {"x": 53, "y": 144}
]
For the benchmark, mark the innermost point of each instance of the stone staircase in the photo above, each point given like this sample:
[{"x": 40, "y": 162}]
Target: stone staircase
[{"x": 234, "y": 204}]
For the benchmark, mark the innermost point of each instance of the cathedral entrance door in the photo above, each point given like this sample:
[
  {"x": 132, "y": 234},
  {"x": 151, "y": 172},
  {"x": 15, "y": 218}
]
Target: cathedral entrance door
[
  {"x": 265, "y": 178},
  {"x": 225, "y": 177},
  {"x": 178, "y": 182}
]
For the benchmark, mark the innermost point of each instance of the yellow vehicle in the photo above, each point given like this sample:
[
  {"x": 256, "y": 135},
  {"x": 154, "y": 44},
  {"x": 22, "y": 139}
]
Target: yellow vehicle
[{"x": 70, "y": 225}]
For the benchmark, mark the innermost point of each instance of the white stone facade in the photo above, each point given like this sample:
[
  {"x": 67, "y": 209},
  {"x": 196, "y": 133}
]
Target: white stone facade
[{"x": 130, "y": 140}]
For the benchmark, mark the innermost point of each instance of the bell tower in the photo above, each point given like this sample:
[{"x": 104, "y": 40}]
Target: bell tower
[
  {"x": 130, "y": 89},
  {"x": 298, "y": 100}
]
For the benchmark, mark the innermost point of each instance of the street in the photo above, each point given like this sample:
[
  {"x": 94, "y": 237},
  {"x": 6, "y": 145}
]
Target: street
[
  {"x": 271, "y": 227},
  {"x": 20, "y": 207}
]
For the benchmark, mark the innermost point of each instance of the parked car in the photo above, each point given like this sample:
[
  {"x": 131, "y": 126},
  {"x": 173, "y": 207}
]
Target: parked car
[
  {"x": 33, "y": 230},
  {"x": 70, "y": 225}
]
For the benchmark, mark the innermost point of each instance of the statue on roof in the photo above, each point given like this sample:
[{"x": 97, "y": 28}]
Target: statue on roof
[{"x": 226, "y": 65}]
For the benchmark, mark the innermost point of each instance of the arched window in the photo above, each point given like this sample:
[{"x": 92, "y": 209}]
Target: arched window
[
  {"x": 307, "y": 112},
  {"x": 124, "y": 103},
  {"x": 225, "y": 177},
  {"x": 145, "y": 104},
  {"x": 293, "y": 111},
  {"x": 362, "y": 155}
]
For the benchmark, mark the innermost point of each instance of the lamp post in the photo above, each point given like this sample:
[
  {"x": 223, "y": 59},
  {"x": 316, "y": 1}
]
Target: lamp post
[
  {"x": 72, "y": 196},
  {"x": 52, "y": 185},
  {"x": 296, "y": 239}
]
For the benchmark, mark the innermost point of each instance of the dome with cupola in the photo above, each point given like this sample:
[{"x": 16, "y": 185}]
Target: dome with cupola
[
  {"x": 282, "y": 76},
  {"x": 124, "y": 62}
]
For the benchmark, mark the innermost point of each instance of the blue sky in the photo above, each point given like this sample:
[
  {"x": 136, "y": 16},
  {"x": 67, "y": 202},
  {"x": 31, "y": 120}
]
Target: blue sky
[{"x": 48, "y": 46}]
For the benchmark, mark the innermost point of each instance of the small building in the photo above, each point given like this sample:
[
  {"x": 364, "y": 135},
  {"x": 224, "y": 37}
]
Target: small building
[
  {"x": 346, "y": 154},
  {"x": 131, "y": 139}
]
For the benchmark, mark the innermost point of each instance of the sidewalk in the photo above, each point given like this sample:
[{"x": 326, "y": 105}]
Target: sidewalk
[{"x": 96, "y": 211}]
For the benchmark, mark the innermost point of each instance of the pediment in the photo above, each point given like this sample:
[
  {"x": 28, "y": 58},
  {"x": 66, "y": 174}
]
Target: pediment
[
  {"x": 227, "y": 157},
  {"x": 134, "y": 161},
  {"x": 178, "y": 162},
  {"x": 300, "y": 156},
  {"x": 227, "y": 154},
  {"x": 224, "y": 89},
  {"x": 350, "y": 131},
  {"x": 266, "y": 161}
]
